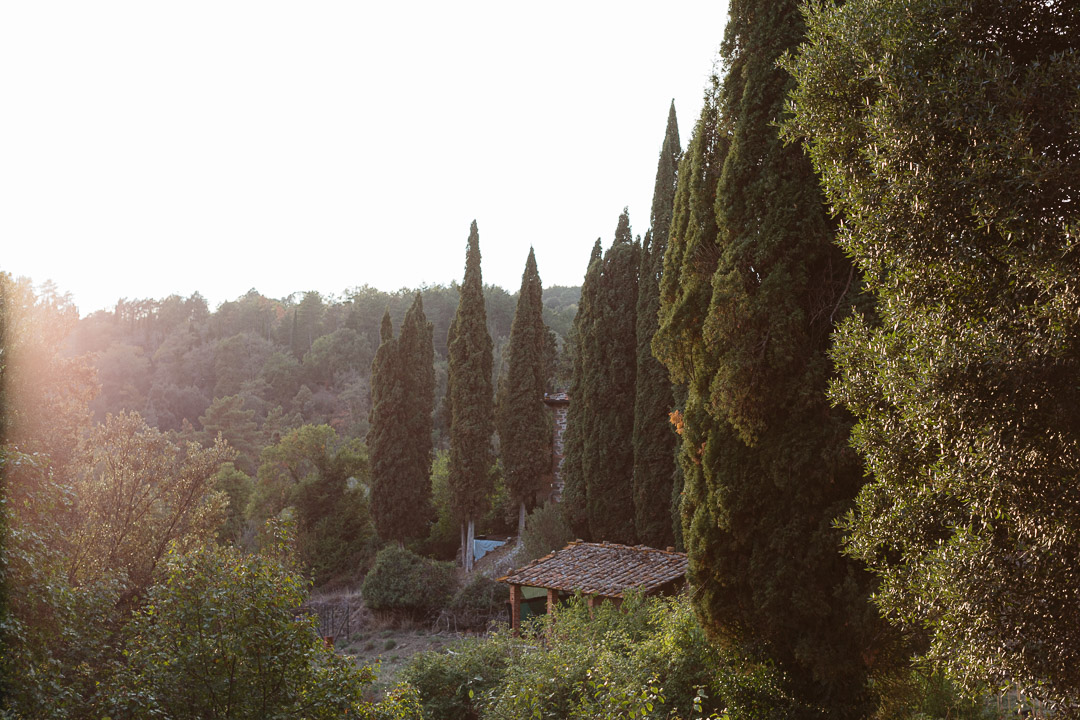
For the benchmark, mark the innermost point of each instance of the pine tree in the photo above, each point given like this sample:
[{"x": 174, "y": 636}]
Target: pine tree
[
  {"x": 578, "y": 415},
  {"x": 654, "y": 438},
  {"x": 399, "y": 439},
  {"x": 610, "y": 366},
  {"x": 747, "y": 329},
  {"x": 469, "y": 389},
  {"x": 524, "y": 421}
]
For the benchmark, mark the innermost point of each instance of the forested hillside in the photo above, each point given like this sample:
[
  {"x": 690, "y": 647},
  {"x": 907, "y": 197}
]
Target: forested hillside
[{"x": 305, "y": 359}]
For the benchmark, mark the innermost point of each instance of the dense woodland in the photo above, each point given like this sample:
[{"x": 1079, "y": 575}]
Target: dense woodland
[
  {"x": 303, "y": 359},
  {"x": 838, "y": 369}
]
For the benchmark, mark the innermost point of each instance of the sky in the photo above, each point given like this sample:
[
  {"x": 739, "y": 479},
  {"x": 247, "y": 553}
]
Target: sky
[{"x": 150, "y": 148}]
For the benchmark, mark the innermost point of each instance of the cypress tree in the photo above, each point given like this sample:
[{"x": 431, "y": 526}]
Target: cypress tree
[
  {"x": 383, "y": 438},
  {"x": 654, "y": 438},
  {"x": 524, "y": 420},
  {"x": 399, "y": 439},
  {"x": 685, "y": 291},
  {"x": 472, "y": 421},
  {"x": 416, "y": 348},
  {"x": 578, "y": 415},
  {"x": 766, "y": 462},
  {"x": 610, "y": 366}
]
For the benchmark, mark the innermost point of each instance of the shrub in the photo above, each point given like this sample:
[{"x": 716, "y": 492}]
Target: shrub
[
  {"x": 572, "y": 670},
  {"x": 545, "y": 530},
  {"x": 479, "y": 601},
  {"x": 444, "y": 540},
  {"x": 220, "y": 637},
  {"x": 454, "y": 684},
  {"x": 648, "y": 659},
  {"x": 925, "y": 693},
  {"x": 406, "y": 583}
]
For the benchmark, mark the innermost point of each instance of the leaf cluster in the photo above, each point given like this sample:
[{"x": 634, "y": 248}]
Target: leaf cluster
[
  {"x": 220, "y": 637},
  {"x": 649, "y": 659},
  {"x": 402, "y": 582},
  {"x": 947, "y": 134}
]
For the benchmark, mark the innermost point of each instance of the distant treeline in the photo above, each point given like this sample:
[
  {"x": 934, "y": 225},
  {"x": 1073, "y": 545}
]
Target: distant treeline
[{"x": 301, "y": 359}]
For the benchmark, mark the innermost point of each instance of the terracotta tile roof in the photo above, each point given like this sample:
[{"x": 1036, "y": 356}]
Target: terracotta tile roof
[{"x": 601, "y": 569}]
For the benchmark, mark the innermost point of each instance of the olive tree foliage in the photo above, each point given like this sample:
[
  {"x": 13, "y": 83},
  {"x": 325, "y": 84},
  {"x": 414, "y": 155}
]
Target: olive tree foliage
[
  {"x": 136, "y": 494},
  {"x": 220, "y": 637},
  {"x": 318, "y": 478},
  {"x": 947, "y": 133},
  {"x": 52, "y": 630},
  {"x": 56, "y": 633},
  {"x": 86, "y": 536}
]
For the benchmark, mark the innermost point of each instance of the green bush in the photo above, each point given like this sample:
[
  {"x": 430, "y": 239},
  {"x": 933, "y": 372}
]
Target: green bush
[
  {"x": 454, "y": 684},
  {"x": 444, "y": 541},
  {"x": 648, "y": 659},
  {"x": 589, "y": 664},
  {"x": 479, "y": 601},
  {"x": 545, "y": 530},
  {"x": 927, "y": 694},
  {"x": 406, "y": 583},
  {"x": 219, "y": 637}
]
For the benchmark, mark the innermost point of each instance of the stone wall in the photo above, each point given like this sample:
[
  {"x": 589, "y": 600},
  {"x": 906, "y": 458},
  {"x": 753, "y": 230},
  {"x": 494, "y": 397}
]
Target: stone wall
[{"x": 559, "y": 404}]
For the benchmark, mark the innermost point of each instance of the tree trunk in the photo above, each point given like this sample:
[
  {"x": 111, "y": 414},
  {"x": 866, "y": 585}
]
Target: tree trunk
[
  {"x": 463, "y": 545},
  {"x": 521, "y": 521},
  {"x": 469, "y": 555}
]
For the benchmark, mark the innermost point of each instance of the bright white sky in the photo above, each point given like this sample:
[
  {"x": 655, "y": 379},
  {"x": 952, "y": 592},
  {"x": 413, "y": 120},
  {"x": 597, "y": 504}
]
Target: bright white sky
[{"x": 151, "y": 147}]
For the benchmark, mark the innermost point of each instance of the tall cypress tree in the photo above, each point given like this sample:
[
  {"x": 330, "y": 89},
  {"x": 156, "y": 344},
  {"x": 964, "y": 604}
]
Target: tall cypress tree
[
  {"x": 685, "y": 291},
  {"x": 610, "y": 365},
  {"x": 472, "y": 421},
  {"x": 523, "y": 419},
  {"x": 766, "y": 461},
  {"x": 654, "y": 438},
  {"x": 383, "y": 438},
  {"x": 416, "y": 366},
  {"x": 578, "y": 415},
  {"x": 399, "y": 439}
]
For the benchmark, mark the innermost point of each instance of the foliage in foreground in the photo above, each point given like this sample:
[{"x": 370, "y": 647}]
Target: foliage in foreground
[
  {"x": 947, "y": 133},
  {"x": 220, "y": 637},
  {"x": 650, "y": 659}
]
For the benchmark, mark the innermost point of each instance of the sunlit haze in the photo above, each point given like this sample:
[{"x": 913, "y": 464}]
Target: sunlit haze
[{"x": 152, "y": 148}]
